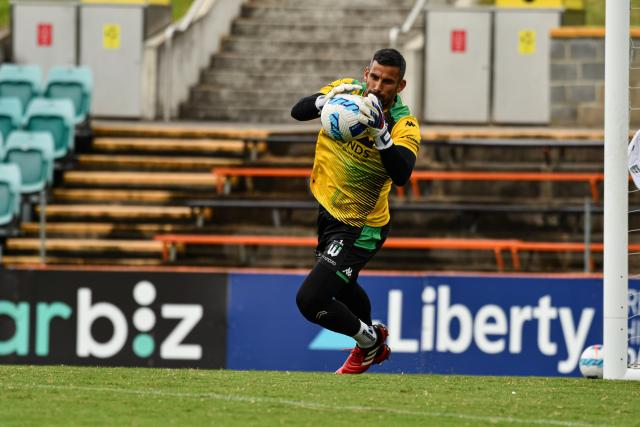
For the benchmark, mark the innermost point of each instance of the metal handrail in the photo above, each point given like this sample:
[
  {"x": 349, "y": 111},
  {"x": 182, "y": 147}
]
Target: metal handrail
[{"x": 406, "y": 26}]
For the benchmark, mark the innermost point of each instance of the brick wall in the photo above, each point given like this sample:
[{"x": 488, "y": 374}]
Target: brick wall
[{"x": 577, "y": 78}]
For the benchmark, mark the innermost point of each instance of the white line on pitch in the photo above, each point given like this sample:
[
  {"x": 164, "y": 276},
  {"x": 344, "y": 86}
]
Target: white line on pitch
[{"x": 307, "y": 405}]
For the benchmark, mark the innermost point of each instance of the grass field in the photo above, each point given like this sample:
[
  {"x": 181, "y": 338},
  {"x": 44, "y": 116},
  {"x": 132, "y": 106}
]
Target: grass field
[{"x": 64, "y": 395}]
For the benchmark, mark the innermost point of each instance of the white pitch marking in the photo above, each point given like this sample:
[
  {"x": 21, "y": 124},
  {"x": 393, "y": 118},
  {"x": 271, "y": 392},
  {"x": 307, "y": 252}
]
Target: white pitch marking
[{"x": 308, "y": 405}]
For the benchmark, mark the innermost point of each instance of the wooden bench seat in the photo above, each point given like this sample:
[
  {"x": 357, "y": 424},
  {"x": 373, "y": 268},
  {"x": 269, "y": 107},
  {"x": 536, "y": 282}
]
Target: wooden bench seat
[
  {"x": 112, "y": 161},
  {"x": 104, "y": 228},
  {"x": 32, "y": 260},
  {"x": 86, "y": 245},
  {"x": 118, "y": 211},
  {"x": 146, "y": 179},
  {"x": 107, "y": 195},
  {"x": 169, "y": 145}
]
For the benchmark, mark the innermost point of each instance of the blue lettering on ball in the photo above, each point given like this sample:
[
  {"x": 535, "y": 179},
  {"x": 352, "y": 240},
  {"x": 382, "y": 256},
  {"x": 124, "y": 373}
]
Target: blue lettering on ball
[
  {"x": 349, "y": 105},
  {"x": 591, "y": 362},
  {"x": 357, "y": 129},
  {"x": 335, "y": 128}
]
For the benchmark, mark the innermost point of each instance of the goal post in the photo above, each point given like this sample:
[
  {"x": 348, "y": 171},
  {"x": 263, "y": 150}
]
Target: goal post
[{"x": 616, "y": 197}]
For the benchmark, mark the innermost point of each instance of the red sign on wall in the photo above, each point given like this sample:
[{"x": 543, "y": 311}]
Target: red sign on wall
[
  {"x": 458, "y": 41},
  {"x": 45, "y": 34}
]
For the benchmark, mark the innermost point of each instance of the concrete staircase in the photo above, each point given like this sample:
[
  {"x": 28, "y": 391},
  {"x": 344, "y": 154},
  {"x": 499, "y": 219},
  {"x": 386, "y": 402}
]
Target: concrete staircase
[{"x": 281, "y": 50}]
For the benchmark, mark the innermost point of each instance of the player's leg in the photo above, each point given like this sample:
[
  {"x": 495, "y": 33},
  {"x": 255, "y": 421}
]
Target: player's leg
[
  {"x": 367, "y": 244},
  {"x": 316, "y": 301},
  {"x": 357, "y": 300},
  {"x": 316, "y": 297}
]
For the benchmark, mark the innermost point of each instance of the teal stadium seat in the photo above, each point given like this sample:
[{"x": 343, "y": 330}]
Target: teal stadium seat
[
  {"x": 73, "y": 83},
  {"x": 20, "y": 81},
  {"x": 33, "y": 153},
  {"x": 56, "y": 117},
  {"x": 10, "y": 116},
  {"x": 10, "y": 180}
]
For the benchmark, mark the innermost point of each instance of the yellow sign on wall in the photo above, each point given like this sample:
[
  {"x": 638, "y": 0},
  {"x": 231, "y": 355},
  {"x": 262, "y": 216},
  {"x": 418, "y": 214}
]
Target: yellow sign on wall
[
  {"x": 529, "y": 3},
  {"x": 111, "y": 36},
  {"x": 526, "y": 42},
  {"x": 574, "y": 4}
]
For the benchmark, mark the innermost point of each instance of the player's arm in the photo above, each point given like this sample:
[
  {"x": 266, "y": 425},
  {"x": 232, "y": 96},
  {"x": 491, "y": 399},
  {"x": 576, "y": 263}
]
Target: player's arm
[
  {"x": 310, "y": 107},
  {"x": 397, "y": 160},
  {"x": 306, "y": 108}
]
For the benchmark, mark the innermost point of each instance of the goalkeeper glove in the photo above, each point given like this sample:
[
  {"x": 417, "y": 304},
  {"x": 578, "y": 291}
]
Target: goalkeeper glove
[
  {"x": 341, "y": 88},
  {"x": 372, "y": 115}
]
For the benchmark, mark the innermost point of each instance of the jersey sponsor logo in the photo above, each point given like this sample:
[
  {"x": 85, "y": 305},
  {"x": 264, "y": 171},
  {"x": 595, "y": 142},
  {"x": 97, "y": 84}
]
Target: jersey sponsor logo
[
  {"x": 412, "y": 139},
  {"x": 334, "y": 248},
  {"x": 329, "y": 260},
  {"x": 348, "y": 272},
  {"x": 357, "y": 148},
  {"x": 409, "y": 124}
]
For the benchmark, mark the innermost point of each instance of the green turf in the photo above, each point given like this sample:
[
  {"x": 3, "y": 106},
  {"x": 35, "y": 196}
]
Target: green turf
[{"x": 64, "y": 395}]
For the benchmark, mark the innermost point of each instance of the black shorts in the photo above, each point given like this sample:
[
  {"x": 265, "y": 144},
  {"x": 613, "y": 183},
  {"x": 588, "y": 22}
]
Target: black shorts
[{"x": 346, "y": 249}]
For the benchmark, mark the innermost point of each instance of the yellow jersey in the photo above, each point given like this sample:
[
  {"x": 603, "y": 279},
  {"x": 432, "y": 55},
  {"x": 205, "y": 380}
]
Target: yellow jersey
[{"x": 348, "y": 179}]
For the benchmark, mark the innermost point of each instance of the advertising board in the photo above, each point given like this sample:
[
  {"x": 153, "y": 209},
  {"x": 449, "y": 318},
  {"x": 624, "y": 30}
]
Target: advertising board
[
  {"x": 113, "y": 318},
  {"x": 442, "y": 324}
]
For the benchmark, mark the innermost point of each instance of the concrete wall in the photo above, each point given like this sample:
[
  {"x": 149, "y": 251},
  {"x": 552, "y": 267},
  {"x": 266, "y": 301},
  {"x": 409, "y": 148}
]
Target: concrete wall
[
  {"x": 577, "y": 79},
  {"x": 172, "y": 64}
]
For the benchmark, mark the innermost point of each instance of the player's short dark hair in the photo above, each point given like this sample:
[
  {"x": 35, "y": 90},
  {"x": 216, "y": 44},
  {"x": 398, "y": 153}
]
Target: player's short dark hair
[{"x": 391, "y": 57}]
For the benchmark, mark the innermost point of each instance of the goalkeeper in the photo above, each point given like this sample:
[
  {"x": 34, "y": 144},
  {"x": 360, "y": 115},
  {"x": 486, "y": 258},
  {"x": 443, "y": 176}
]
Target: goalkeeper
[{"x": 351, "y": 182}]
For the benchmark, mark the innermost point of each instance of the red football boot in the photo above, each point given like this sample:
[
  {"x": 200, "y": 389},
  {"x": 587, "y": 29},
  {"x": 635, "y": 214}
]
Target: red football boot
[{"x": 360, "y": 359}]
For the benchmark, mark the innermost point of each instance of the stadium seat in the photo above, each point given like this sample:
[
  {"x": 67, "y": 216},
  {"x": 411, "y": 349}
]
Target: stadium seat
[
  {"x": 20, "y": 81},
  {"x": 73, "y": 83},
  {"x": 32, "y": 152},
  {"x": 56, "y": 117},
  {"x": 10, "y": 180},
  {"x": 10, "y": 116}
]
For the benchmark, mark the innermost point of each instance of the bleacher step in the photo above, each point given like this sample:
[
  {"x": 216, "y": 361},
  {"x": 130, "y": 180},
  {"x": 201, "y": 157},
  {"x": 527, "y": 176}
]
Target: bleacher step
[
  {"x": 153, "y": 162},
  {"x": 143, "y": 212},
  {"x": 250, "y": 79},
  {"x": 83, "y": 195},
  {"x": 20, "y": 260},
  {"x": 105, "y": 229},
  {"x": 347, "y": 65},
  {"x": 241, "y": 114},
  {"x": 172, "y": 131},
  {"x": 295, "y": 47},
  {"x": 142, "y": 179},
  {"x": 376, "y": 14},
  {"x": 311, "y": 31},
  {"x": 86, "y": 245},
  {"x": 157, "y": 145}
]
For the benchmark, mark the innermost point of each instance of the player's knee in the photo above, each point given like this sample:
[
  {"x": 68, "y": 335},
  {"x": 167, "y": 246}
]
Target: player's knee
[{"x": 308, "y": 303}]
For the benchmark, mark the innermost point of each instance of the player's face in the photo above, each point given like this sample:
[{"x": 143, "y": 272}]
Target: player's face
[{"x": 384, "y": 82}]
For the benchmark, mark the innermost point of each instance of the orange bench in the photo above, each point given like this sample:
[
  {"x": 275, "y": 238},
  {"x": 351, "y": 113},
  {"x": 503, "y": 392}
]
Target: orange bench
[
  {"x": 170, "y": 240},
  {"x": 497, "y": 246},
  {"x": 223, "y": 174},
  {"x": 592, "y": 178}
]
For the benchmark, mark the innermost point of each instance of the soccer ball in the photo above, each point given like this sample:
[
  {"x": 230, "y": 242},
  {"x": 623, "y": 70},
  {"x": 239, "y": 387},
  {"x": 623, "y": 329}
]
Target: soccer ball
[
  {"x": 591, "y": 362},
  {"x": 340, "y": 118}
]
